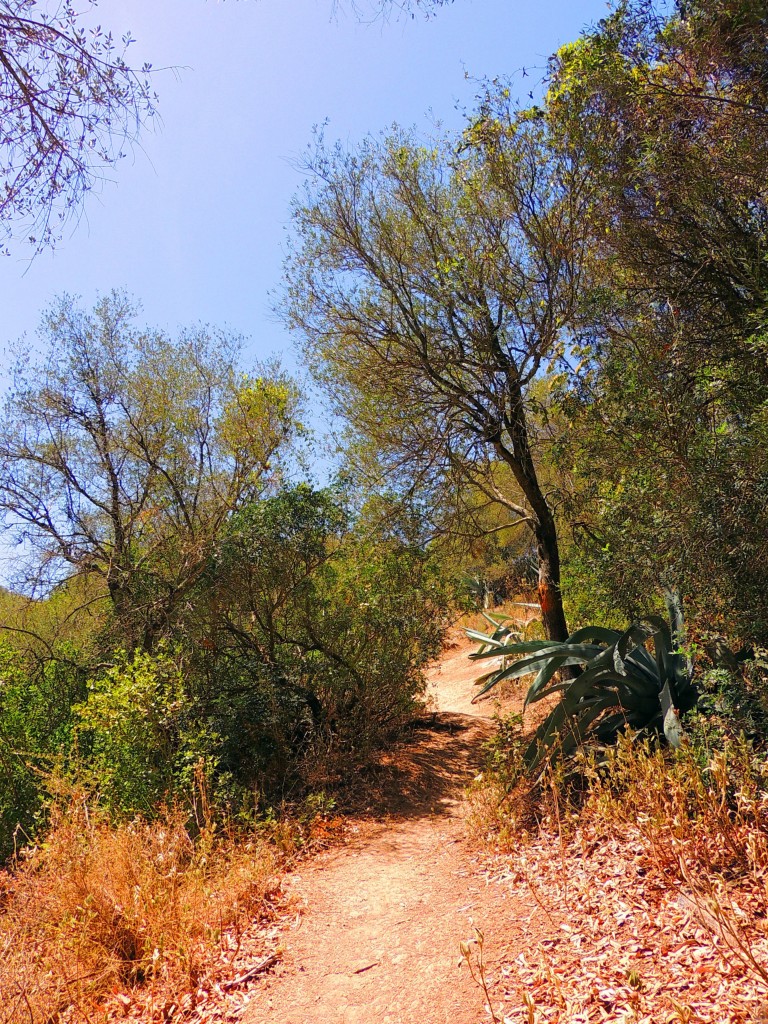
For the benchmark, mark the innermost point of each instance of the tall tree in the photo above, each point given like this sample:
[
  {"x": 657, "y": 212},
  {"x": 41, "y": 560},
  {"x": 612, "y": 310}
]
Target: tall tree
[
  {"x": 670, "y": 105},
  {"x": 431, "y": 294},
  {"x": 673, "y": 113},
  {"x": 69, "y": 103},
  {"x": 124, "y": 451}
]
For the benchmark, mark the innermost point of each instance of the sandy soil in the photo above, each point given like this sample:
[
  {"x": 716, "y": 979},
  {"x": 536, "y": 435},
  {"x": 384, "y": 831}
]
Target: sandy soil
[{"x": 377, "y": 926}]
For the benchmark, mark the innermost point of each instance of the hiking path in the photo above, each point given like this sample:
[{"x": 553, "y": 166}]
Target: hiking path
[{"x": 376, "y": 924}]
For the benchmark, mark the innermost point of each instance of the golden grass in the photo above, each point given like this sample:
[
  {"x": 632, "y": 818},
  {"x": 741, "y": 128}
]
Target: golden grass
[
  {"x": 697, "y": 808},
  {"x": 696, "y": 819},
  {"x": 101, "y": 908},
  {"x": 709, "y": 806},
  {"x": 646, "y": 870}
]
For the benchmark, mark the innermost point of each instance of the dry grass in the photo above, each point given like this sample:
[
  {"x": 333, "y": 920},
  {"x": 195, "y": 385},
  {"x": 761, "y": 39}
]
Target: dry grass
[
  {"x": 710, "y": 805},
  {"x": 649, "y": 871},
  {"x": 101, "y": 909},
  {"x": 702, "y": 810}
]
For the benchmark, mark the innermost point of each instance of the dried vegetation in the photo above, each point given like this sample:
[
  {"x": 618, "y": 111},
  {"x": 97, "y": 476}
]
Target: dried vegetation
[
  {"x": 105, "y": 921},
  {"x": 649, "y": 871}
]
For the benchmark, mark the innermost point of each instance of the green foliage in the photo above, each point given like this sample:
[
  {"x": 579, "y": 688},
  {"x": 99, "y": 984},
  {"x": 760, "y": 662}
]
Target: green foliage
[
  {"x": 301, "y": 649},
  {"x": 305, "y": 651},
  {"x": 619, "y": 684},
  {"x": 36, "y": 720},
  {"x": 505, "y": 750},
  {"x": 733, "y": 702},
  {"x": 588, "y": 589},
  {"x": 676, "y": 483},
  {"x": 665, "y": 451},
  {"x": 124, "y": 451},
  {"x": 324, "y": 636},
  {"x": 432, "y": 291},
  {"x": 132, "y": 736}
]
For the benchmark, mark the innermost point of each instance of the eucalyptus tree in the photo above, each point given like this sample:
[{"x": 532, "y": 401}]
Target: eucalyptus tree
[
  {"x": 432, "y": 292},
  {"x": 124, "y": 451}
]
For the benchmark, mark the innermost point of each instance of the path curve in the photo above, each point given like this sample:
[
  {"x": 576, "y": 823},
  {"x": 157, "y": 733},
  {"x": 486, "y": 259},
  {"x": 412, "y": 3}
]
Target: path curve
[{"x": 376, "y": 936}]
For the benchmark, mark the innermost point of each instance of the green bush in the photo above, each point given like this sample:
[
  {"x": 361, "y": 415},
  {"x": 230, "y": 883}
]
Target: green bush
[
  {"x": 301, "y": 649},
  {"x": 36, "y": 698},
  {"x": 326, "y": 631},
  {"x": 136, "y": 733}
]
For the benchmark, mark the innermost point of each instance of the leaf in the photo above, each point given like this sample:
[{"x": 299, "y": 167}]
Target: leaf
[
  {"x": 673, "y": 729},
  {"x": 619, "y": 676},
  {"x": 568, "y": 656},
  {"x": 508, "y": 650},
  {"x": 599, "y": 634}
]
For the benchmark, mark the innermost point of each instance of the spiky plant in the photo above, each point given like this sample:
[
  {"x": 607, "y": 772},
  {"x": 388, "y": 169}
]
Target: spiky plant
[{"x": 620, "y": 683}]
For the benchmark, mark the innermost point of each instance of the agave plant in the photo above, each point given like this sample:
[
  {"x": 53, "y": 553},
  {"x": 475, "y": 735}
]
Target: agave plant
[{"x": 620, "y": 683}]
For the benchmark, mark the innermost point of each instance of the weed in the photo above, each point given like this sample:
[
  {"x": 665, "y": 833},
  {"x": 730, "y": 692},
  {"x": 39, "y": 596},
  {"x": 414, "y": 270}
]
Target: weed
[
  {"x": 101, "y": 907},
  {"x": 530, "y": 1008},
  {"x": 477, "y": 968},
  {"x": 634, "y": 980}
]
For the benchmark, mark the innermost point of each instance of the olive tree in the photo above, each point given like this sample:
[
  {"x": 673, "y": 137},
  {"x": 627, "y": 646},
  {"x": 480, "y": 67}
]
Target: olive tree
[
  {"x": 123, "y": 452},
  {"x": 432, "y": 291},
  {"x": 69, "y": 103}
]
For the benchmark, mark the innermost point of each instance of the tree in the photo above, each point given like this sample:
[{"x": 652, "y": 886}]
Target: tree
[
  {"x": 673, "y": 113},
  {"x": 69, "y": 103},
  {"x": 668, "y": 411},
  {"x": 382, "y": 8},
  {"x": 123, "y": 453},
  {"x": 431, "y": 293},
  {"x": 320, "y": 625}
]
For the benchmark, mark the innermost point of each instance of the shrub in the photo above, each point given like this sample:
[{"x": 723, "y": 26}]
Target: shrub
[
  {"x": 100, "y": 907},
  {"x": 36, "y": 719},
  {"x": 141, "y": 735},
  {"x": 325, "y": 631},
  {"x": 302, "y": 649}
]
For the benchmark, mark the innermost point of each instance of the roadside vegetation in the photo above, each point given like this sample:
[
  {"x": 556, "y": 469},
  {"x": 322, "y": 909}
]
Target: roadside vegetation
[
  {"x": 575, "y": 292},
  {"x": 199, "y": 647},
  {"x": 546, "y": 341}
]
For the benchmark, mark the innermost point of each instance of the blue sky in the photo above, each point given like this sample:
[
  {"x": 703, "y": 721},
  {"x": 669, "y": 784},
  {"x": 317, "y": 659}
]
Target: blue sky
[{"x": 193, "y": 224}]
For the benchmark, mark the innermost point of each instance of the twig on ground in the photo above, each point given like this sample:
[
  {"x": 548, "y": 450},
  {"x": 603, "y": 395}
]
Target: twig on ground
[{"x": 259, "y": 968}]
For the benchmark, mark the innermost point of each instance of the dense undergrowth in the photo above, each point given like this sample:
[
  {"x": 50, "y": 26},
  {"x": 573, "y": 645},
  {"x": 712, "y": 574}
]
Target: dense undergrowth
[
  {"x": 102, "y": 914},
  {"x": 301, "y": 651}
]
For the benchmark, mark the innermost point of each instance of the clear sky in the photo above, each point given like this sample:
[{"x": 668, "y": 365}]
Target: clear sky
[{"x": 193, "y": 223}]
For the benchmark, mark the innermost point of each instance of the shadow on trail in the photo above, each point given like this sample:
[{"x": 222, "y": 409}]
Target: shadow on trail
[{"x": 425, "y": 773}]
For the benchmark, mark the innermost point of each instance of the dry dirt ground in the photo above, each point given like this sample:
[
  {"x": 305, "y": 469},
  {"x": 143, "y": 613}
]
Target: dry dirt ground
[
  {"x": 578, "y": 929},
  {"x": 377, "y": 923}
]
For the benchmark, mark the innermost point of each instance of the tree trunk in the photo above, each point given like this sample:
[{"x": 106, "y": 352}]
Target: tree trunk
[
  {"x": 520, "y": 460},
  {"x": 550, "y": 596}
]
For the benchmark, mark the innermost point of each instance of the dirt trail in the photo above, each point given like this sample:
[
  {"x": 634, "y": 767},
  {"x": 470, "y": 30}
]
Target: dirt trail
[{"x": 376, "y": 936}]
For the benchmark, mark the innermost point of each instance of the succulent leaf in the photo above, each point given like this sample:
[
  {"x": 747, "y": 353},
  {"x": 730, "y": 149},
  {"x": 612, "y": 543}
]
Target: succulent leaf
[{"x": 621, "y": 685}]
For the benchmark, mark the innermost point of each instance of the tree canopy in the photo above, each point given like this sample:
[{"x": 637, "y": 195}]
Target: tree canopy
[
  {"x": 667, "y": 413},
  {"x": 123, "y": 451},
  {"x": 432, "y": 290},
  {"x": 69, "y": 104}
]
